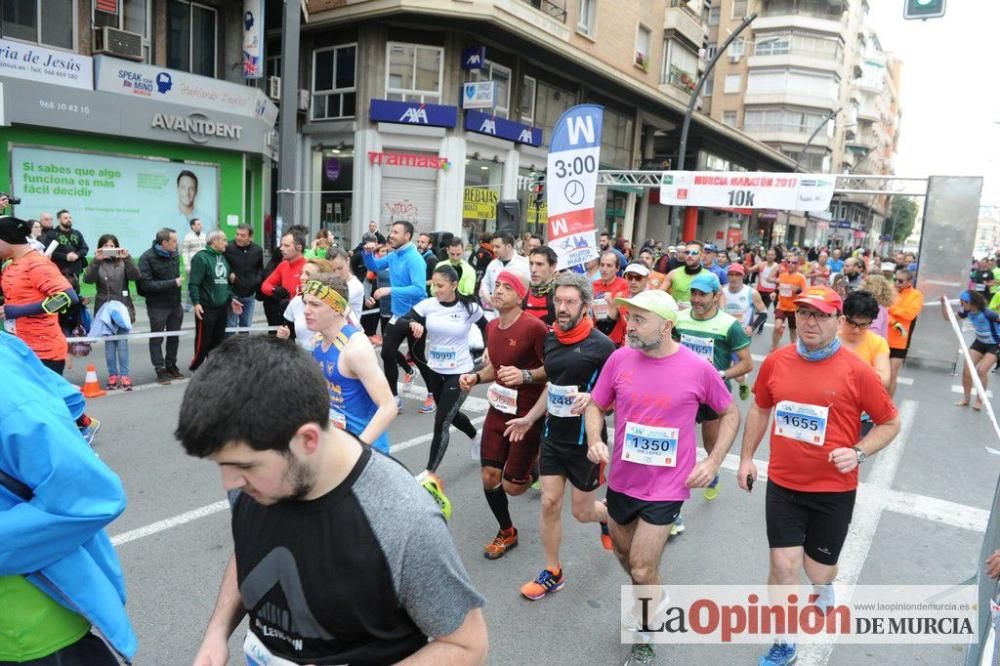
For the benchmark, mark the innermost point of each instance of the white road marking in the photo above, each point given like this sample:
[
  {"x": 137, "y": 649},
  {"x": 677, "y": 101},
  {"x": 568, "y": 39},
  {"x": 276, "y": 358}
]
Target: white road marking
[
  {"x": 905, "y": 381},
  {"x": 758, "y": 358},
  {"x": 956, "y": 388}
]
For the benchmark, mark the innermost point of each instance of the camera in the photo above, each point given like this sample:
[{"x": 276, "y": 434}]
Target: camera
[
  {"x": 112, "y": 252},
  {"x": 14, "y": 201}
]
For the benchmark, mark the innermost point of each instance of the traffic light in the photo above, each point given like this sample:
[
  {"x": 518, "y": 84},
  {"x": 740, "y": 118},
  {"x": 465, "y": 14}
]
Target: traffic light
[
  {"x": 923, "y": 9},
  {"x": 538, "y": 190}
]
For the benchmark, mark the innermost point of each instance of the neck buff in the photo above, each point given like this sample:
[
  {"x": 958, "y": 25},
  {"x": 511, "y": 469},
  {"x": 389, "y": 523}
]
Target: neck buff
[
  {"x": 692, "y": 271},
  {"x": 575, "y": 335},
  {"x": 819, "y": 354},
  {"x": 541, "y": 289}
]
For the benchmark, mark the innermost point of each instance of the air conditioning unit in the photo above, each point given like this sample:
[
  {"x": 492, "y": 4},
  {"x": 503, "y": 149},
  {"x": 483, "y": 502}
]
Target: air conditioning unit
[
  {"x": 303, "y": 100},
  {"x": 735, "y": 57},
  {"x": 274, "y": 87},
  {"x": 120, "y": 43}
]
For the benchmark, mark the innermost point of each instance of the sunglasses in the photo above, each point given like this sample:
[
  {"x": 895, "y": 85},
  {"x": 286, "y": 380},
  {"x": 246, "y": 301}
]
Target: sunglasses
[
  {"x": 693, "y": 253},
  {"x": 632, "y": 277},
  {"x": 857, "y": 325}
]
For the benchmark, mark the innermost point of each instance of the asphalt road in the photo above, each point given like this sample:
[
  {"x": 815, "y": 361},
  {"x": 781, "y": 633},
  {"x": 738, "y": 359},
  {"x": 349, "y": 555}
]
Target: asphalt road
[{"x": 920, "y": 520}]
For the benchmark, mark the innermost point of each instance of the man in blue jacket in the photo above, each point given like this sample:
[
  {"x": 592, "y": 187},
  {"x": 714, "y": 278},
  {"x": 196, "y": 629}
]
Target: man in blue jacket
[
  {"x": 407, "y": 280},
  {"x": 60, "y": 579}
]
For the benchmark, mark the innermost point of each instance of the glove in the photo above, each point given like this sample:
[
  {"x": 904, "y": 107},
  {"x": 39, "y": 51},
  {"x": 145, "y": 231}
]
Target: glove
[{"x": 280, "y": 293}]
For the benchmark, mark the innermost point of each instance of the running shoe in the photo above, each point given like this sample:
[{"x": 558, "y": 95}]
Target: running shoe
[
  {"x": 429, "y": 406},
  {"x": 642, "y": 654},
  {"x": 536, "y": 484},
  {"x": 504, "y": 541},
  {"x": 112, "y": 382},
  {"x": 546, "y": 582},
  {"x": 126, "y": 383},
  {"x": 712, "y": 491},
  {"x": 605, "y": 536},
  {"x": 89, "y": 431},
  {"x": 433, "y": 484},
  {"x": 744, "y": 391},
  {"x": 399, "y": 405},
  {"x": 677, "y": 527},
  {"x": 476, "y": 445},
  {"x": 826, "y": 598},
  {"x": 780, "y": 654},
  {"x": 408, "y": 378}
]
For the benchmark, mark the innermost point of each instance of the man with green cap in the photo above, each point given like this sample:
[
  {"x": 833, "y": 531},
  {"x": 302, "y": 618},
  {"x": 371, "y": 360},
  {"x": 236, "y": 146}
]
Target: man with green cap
[{"x": 655, "y": 451}]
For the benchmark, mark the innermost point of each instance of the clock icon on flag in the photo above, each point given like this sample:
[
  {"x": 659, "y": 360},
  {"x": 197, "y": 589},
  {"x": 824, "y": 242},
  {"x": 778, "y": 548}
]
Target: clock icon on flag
[{"x": 575, "y": 192}]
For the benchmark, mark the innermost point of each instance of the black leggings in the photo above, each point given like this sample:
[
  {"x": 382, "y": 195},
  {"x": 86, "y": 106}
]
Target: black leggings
[
  {"x": 392, "y": 359},
  {"x": 449, "y": 398}
]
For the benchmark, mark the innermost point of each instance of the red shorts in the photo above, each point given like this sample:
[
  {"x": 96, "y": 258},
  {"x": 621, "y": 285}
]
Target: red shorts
[
  {"x": 787, "y": 316},
  {"x": 514, "y": 458}
]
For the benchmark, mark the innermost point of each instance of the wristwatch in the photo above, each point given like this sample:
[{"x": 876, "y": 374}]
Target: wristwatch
[
  {"x": 861, "y": 454},
  {"x": 525, "y": 376}
]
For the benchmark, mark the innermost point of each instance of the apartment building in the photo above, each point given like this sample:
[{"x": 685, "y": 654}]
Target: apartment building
[
  {"x": 132, "y": 114},
  {"x": 389, "y": 136},
  {"x": 803, "y": 66}
]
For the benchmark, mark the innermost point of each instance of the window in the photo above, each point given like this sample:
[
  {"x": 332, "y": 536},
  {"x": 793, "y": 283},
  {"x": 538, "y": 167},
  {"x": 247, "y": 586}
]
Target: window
[
  {"x": 527, "y": 106},
  {"x": 24, "y": 20},
  {"x": 501, "y": 76},
  {"x": 737, "y": 47},
  {"x": 642, "y": 36},
  {"x": 784, "y": 120},
  {"x": 739, "y": 8},
  {"x": 680, "y": 66},
  {"x": 588, "y": 13},
  {"x": 616, "y": 139},
  {"x": 192, "y": 37},
  {"x": 790, "y": 81},
  {"x": 709, "y": 88},
  {"x": 414, "y": 72},
  {"x": 802, "y": 44},
  {"x": 733, "y": 83},
  {"x": 710, "y": 50},
  {"x": 132, "y": 16},
  {"x": 333, "y": 82},
  {"x": 729, "y": 118},
  {"x": 550, "y": 103},
  {"x": 713, "y": 16}
]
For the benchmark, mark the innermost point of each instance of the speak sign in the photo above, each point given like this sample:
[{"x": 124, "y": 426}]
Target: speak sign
[
  {"x": 571, "y": 184},
  {"x": 743, "y": 189}
]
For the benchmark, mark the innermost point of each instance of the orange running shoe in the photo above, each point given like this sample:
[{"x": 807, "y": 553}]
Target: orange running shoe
[
  {"x": 547, "y": 582},
  {"x": 504, "y": 541}
]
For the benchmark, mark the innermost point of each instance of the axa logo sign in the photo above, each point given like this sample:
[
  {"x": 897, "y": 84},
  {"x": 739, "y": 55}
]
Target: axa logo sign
[
  {"x": 489, "y": 126},
  {"x": 526, "y": 136},
  {"x": 415, "y": 116}
]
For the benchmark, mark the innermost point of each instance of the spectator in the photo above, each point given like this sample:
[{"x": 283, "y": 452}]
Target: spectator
[
  {"x": 606, "y": 246},
  {"x": 424, "y": 247},
  {"x": 212, "y": 297},
  {"x": 194, "y": 242},
  {"x": 70, "y": 257},
  {"x": 246, "y": 266},
  {"x": 111, "y": 272},
  {"x": 161, "y": 286},
  {"x": 35, "y": 239},
  {"x": 506, "y": 259},
  {"x": 45, "y": 219},
  {"x": 320, "y": 245},
  {"x": 467, "y": 274},
  {"x": 284, "y": 281},
  {"x": 373, "y": 230}
]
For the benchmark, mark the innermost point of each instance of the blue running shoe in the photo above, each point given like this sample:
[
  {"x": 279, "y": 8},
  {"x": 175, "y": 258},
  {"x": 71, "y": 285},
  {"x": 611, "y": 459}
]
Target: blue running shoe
[
  {"x": 780, "y": 654},
  {"x": 90, "y": 431}
]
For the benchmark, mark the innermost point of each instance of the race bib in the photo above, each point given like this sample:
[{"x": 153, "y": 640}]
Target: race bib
[
  {"x": 338, "y": 419},
  {"x": 703, "y": 347},
  {"x": 786, "y": 290},
  {"x": 257, "y": 654},
  {"x": 806, "y": 423},
  {"x": 650, "y": 445},
  {"x": 561, "y": 400},
  {"x": 502, "y": 399},
  {"x": 393, "y": 319},
  {"x": 442, "y": 357},
  {"x": 600, "y": 308}
]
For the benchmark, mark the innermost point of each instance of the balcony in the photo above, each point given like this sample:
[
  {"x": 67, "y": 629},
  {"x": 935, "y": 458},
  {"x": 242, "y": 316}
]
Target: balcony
[
  {"x": 792, "y": 97},
  {"x": 786, "y": 134},
  {"x": 797, "y": 58},
  {"x": 778, "y": 19},
  {"x": 682, "y": 22},
  {"x": 554, "y": 8},
  {"x": 864, "y": 141}
]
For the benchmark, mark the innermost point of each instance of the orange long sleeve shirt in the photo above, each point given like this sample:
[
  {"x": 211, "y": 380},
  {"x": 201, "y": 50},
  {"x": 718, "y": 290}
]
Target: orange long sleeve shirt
[{"x": 902, "y": 314}]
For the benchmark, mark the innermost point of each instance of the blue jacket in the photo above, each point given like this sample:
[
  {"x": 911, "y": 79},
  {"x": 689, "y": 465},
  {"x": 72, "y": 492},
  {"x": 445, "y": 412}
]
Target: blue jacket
[
  {"x": 407, "y": 273},
  {"x": 56, "y": 540},
  {"x": 112, "y": 319}
]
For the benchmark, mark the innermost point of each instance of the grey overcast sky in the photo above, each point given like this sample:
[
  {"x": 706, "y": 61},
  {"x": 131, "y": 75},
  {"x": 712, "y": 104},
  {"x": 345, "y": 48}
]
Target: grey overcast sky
[{"x": 950, "y": 91}]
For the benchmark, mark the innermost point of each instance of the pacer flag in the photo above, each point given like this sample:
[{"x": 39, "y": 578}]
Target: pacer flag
[
  {"x": 571, "y": 184},
  {"x": 746, "y": 189}
]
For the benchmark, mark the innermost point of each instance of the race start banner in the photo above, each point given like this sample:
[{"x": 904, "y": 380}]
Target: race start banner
[
  {"x": 571, "y": 184},
  {"x": 745, "y": 189}
]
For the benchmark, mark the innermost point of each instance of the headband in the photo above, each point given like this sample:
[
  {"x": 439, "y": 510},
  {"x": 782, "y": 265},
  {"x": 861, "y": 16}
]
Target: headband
[
  {"x": 327, "y": 294},
  {"x": 509, "y": 278}
]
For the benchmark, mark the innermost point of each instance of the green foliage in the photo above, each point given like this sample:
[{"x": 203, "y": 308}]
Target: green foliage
[{"x": 904, "y": 216}]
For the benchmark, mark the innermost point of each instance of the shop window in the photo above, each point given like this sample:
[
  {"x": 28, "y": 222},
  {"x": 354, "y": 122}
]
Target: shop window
[
  {"x": 501, "y": 76},
  {"x": 129, "y": 15},
  {"x": 333, "y": 83},
  {"x": 24, "y": 20},
  {"x": 192, "y": 37},
  {"x": 527, "y": 106},
  {"x": 414, "y": 72},
  {"x": 551, "y": 103}
]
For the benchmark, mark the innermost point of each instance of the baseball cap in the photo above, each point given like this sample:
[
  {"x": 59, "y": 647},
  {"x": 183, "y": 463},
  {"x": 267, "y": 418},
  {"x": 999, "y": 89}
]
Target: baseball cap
[
  {"x": 637, "y": 268},
  {"x": 711, "y": 247},
  {"x": 656, "y": 301},
  {"x": 14, "y": 230},
  {"x": 822, "y": 298},
  {"x": 736, "y": 268},
  {"x": 706, "y": 283}
]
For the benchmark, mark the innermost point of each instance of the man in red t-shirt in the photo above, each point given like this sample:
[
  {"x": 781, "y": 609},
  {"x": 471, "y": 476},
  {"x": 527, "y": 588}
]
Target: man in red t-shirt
[
  {"x": 514, "y": 344},
  {"x": 818, "y": 392},
  {"x": 283, "y": 283},
  {"x": 605, "y": 291}
]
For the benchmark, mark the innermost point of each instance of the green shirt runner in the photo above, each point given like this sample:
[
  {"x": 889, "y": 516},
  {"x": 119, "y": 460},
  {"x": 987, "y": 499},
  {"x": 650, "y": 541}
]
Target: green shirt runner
[{"x": 715, "y": 339}]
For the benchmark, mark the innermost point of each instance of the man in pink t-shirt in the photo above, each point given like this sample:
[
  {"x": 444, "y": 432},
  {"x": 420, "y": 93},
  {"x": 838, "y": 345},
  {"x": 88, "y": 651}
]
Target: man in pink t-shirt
[{"x": 655, "y": 387}]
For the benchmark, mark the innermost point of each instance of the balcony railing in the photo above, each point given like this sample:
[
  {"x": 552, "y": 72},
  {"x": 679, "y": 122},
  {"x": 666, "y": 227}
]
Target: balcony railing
[
  {"x": 678, "y": 78},
  {"x": 554, "y": 8}
]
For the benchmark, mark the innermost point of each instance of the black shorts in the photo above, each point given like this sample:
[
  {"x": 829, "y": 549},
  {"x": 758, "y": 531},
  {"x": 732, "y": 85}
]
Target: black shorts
[
  {"x": 816, "y": 521},
  {"x": 786, "y": 316},
  {"x": 570, "y": 461},
  {"x": 706, "y": 413},
  {"x": 985, "y": 348},
  {"x": 898, "y": 353},
  {"x": 624, "y": 509},
  {"x": 765, "y": 296}
]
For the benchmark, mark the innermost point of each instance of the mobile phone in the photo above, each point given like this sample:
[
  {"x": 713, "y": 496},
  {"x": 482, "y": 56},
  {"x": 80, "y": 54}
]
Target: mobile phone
[{"x": 749, "y": 483}]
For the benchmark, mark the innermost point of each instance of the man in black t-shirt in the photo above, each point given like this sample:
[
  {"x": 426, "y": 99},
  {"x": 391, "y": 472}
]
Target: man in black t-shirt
[
  {"x": 340, "y": 556},
  {"x": 574, "y": 353}
]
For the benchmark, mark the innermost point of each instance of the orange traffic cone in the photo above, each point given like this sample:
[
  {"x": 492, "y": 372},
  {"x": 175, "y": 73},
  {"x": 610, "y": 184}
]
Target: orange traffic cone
[{"x": 90, "y": 388}]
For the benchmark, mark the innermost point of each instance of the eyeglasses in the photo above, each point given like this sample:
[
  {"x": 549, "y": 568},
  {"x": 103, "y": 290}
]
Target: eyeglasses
[
  {"x": 632, "y": 277},
  {"x": 816, "y": 315},
  {"x": 693, "y": 253},
  {"x": 857, "y": 325}
]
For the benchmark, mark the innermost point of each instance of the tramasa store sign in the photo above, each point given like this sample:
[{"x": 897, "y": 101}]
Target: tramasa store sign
[
  {"x": 413, "y": 113},
  {"x": 408, "y": 160}
]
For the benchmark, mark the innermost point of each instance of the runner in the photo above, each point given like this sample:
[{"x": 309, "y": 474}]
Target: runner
[
  {"x": 745, "y": 304},
  {"x": 295, "y": 327},
  {"x": 605, "y": 291},
  {"x": 514, "y": 342},
  {"x": 767, "y": 272},
  {"x": 819, "y": 271},
  {"x": 678, "y": 282},
  {"x": 984, "y": 349},
  {"x": 790, "y": 285},
  {"x": 855, "y": 332},
  {"x": 654, "y": 447},
  {"x": 444, "y": 322},
  {"x": 339, "y": 557},
  {"x": 360, "y": 400},
  {"x": 575, "y": 351},
  {"x": 902, "y": 320},
  {"x": 720, "y": 339},
  {"x": 538, "y": 303},
  {"x": 818, "y": 392},
  {"x": 636, "y": 276},
  {"x": 506, "y": 259}
]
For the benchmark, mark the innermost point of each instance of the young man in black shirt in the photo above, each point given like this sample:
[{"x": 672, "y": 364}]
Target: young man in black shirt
[
  {"x": 575, "y": 352},
  {"x": 340, "y": 556}
]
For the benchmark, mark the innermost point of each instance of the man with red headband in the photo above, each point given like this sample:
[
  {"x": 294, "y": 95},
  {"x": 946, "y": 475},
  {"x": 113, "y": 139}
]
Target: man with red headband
[{"x": 514, "y": 342}]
